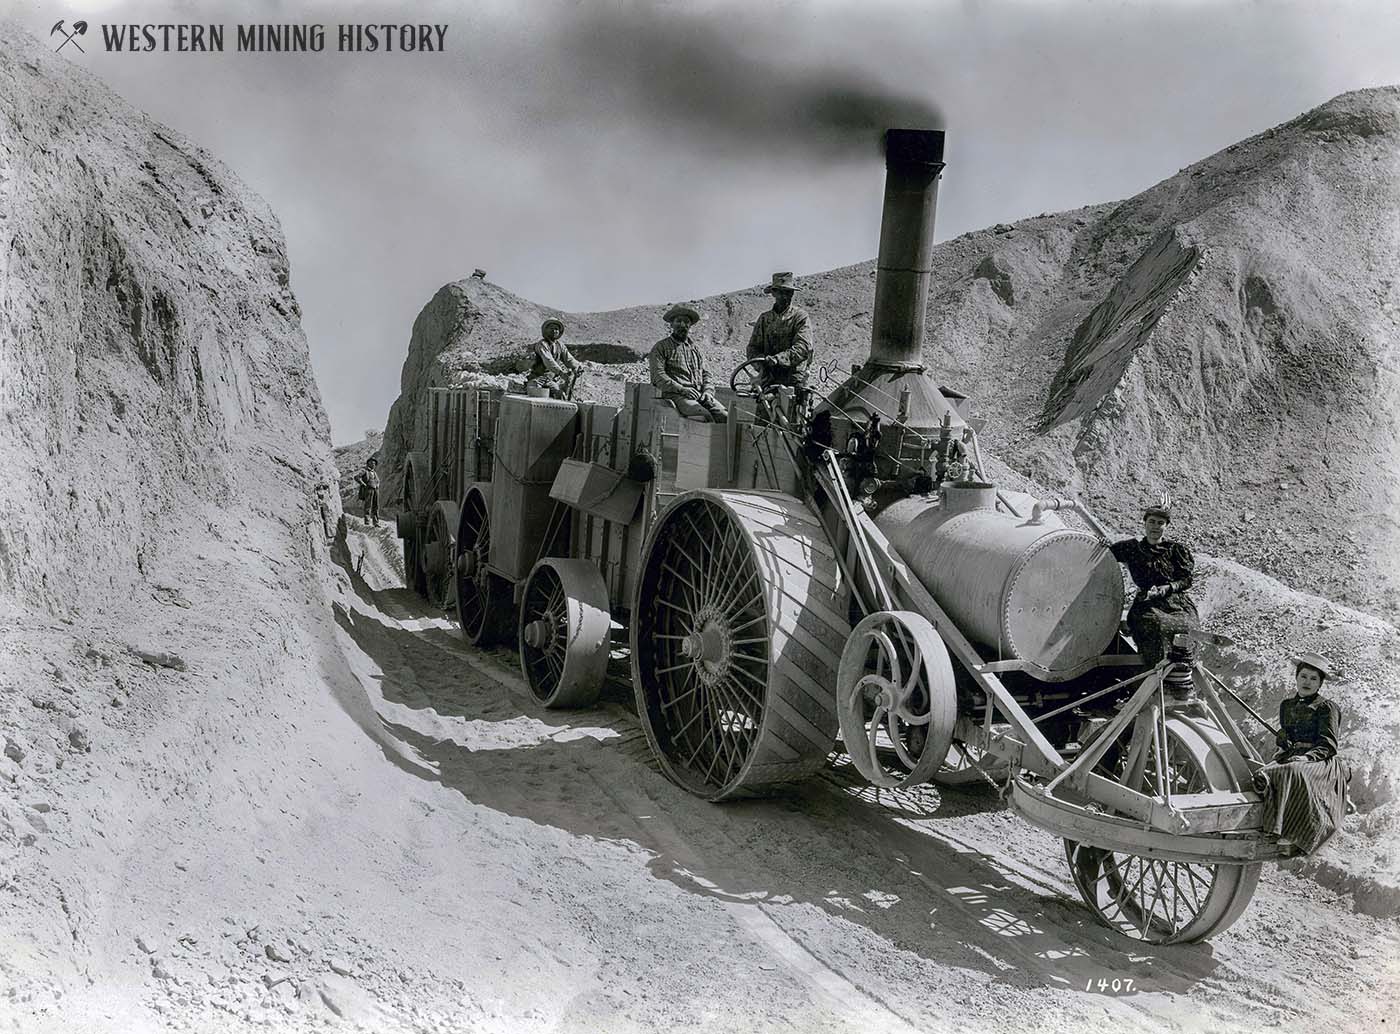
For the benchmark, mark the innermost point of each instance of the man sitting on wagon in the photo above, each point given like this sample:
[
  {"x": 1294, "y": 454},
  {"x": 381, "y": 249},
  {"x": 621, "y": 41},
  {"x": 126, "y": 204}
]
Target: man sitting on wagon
[
  {"x": 781, "y": 338},
  {"x": 553, "y": 368},
  {"x": 678, "y": 369}
]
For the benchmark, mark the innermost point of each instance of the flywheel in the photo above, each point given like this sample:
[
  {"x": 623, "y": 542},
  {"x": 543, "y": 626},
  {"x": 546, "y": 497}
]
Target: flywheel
[
  {"x": 896, "y": 699},
  {"x": 737, "y": 627}
]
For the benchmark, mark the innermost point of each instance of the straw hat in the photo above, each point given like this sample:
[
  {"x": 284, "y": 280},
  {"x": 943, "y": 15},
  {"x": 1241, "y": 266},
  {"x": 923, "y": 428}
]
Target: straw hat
[
  {"x": 1315, "y": 661},
  {"x": 682, "y": 309},
  {"x": 552, "y": 321}
]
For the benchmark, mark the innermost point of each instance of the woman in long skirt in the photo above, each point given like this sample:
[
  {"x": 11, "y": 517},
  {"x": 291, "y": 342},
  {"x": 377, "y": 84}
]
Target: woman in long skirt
[
  {"x": 1162, "y": 569},
  {"x": 1304, "y": 787}
]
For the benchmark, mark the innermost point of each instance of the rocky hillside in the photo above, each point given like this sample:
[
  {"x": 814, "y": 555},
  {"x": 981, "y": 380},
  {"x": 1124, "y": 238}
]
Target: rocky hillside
[
  {"x": 151, "y": 354},
  {"x": 1228, "y": 336},
  {"x": 162, "y": 554}
]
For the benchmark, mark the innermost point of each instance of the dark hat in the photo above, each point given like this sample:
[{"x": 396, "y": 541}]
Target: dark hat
[
  {"x": 781, "y": 282},
  {"x": 1155, "y": 510},
  {"x": 372, "y": 459},
  {"x": 552, "y": 321},
  {"x": 1315, "y": 661},
  {"x": 682, "y": 309}
]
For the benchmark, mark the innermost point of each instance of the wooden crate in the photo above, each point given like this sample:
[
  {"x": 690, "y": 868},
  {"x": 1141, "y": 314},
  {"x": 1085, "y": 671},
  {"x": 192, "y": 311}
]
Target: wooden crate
[
  {"x": 534, "y": 437},
  {"x": 762, "y": 461},
  {"x": 461, "y": 427},
  {"x": 702, "y": 455}
]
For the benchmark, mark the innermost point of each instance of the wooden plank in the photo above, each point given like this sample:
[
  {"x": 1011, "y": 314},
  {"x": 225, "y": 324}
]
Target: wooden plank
[
  {"x": 1229, "y": 813},
  {"x": 1072, "y": 822}
]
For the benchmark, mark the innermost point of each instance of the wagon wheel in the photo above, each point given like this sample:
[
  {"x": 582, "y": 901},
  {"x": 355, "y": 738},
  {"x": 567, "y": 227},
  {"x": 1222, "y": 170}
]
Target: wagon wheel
[
  {"x": 565, "y": 632},
  {"x": 737, "y": 624},
  {"x": 406, "y": 528},
  {"x": 483, "y": 599},
  {"x": 437, "y": 553},
  {"x": 409, "y": 528},
  {"x": 415, "y": 482},
  {"x": 1158, "y": 901},
  {"x": 894, "y": 689}
]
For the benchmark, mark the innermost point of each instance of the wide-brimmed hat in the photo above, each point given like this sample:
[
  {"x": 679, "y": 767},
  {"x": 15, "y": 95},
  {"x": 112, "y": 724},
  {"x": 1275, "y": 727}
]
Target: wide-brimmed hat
[
  {"x": 781, "y": 282},
  {"x": 372, "y": 459},
  {"x": 1315, "y": 661},
  {"x": 552, "y": 321},
  {"x": 682, "y": 309}
]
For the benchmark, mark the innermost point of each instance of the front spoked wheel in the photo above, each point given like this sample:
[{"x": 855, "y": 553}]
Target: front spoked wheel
[{"x": 1153, "y": 899}]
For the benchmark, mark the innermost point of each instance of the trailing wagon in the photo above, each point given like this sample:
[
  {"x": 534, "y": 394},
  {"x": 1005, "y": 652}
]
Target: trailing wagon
[{"x": 835, "y": 564}]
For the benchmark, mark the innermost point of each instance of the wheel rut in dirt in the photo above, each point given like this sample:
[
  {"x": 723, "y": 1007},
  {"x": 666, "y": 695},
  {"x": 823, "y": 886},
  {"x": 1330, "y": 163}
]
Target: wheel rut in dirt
[{"x": 864, "y": 899}]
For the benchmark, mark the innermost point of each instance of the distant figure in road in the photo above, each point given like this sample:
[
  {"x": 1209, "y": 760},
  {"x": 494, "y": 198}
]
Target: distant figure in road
[
  {"x": 678, "y": 369},
  {"x": 553, "y": 368},
  {"x": 368, "y": 480},
  {"x": 781, "y": 338},
  {"x": 1304, "y": 787},
  {"x": 323, "y": 507},
  {"x": 1162, "y": 570}
]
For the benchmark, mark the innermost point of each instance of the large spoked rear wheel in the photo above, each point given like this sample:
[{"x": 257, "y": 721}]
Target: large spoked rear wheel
[
  {"x": 565, "y": 632},
  {"x": 484, "y": 604},
  {"x": 737, "y": 630},
  {"x": 1151, "y": 899}
]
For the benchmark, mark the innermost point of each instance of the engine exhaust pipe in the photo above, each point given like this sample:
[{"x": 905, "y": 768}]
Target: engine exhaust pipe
[{"x": 913, "y": 163}]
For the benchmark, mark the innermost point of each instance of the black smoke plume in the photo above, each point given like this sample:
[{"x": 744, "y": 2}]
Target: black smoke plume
[{"x": 734, "y": 87}]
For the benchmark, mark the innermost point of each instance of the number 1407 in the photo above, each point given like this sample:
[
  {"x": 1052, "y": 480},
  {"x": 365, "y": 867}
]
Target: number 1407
[{"x": 1123, "y": 986}]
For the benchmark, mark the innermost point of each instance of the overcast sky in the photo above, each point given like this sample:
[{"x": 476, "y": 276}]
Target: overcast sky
[{"x": 591, "y": 156}]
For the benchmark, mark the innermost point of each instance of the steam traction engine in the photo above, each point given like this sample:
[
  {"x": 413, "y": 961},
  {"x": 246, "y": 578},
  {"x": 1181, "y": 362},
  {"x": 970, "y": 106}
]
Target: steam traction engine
[{"x": 837, "y": 563}]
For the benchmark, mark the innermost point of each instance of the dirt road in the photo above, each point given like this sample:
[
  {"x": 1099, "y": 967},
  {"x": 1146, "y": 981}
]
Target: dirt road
[
  {"x": 833, "y": 908},
  {"x": 368, "y": 823}
]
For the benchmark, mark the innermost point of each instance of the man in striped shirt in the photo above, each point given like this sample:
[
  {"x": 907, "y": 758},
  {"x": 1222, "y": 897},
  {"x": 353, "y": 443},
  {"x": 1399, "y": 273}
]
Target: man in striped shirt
[{"x": 678, "y": 369}]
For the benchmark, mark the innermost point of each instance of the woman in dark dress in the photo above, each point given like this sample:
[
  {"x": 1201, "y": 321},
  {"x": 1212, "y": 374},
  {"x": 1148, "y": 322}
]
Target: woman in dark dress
[
  {"x": 1304, "y": 787},
  {"x": 1162, "y": 570}
]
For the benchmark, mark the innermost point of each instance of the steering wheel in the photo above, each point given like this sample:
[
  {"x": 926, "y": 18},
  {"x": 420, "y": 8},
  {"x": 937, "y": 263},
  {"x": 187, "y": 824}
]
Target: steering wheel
[{"x": 748, "y": 386}]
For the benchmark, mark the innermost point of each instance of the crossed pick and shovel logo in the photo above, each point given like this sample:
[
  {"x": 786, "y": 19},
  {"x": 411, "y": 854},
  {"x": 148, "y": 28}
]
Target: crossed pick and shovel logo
[{"x": 69, "y": 37}]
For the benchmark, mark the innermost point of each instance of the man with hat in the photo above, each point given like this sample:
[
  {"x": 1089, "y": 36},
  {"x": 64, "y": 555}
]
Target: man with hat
[
  {"x": 553, "y": 368},
  {"x": 678, "y": 369},
  {"x": 1162, "y": 570},
  {"x": 368, "y": 480},
  {"x": 781, "y": 338}
]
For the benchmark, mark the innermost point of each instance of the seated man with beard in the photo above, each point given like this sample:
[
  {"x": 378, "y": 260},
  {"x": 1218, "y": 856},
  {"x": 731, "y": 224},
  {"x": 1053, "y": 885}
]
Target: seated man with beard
[{"x": 678, "y": 369}]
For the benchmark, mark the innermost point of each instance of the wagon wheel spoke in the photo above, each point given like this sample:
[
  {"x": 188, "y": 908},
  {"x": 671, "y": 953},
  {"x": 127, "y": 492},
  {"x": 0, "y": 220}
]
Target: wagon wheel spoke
[{"x": 1153, "y": 899}]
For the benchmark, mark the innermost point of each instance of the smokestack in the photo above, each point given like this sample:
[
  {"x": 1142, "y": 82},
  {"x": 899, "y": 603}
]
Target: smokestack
[
  {"x": 893, "y": 383},
  {"x": 913, "y": 163}
]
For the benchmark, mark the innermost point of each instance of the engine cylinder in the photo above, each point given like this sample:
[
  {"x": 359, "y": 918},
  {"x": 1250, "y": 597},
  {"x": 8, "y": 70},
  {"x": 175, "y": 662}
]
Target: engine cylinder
[{"x": 1042, "y": 593}]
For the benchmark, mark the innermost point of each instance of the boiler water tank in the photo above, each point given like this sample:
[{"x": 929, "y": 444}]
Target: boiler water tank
[{"x": 1042, "y": 593}]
